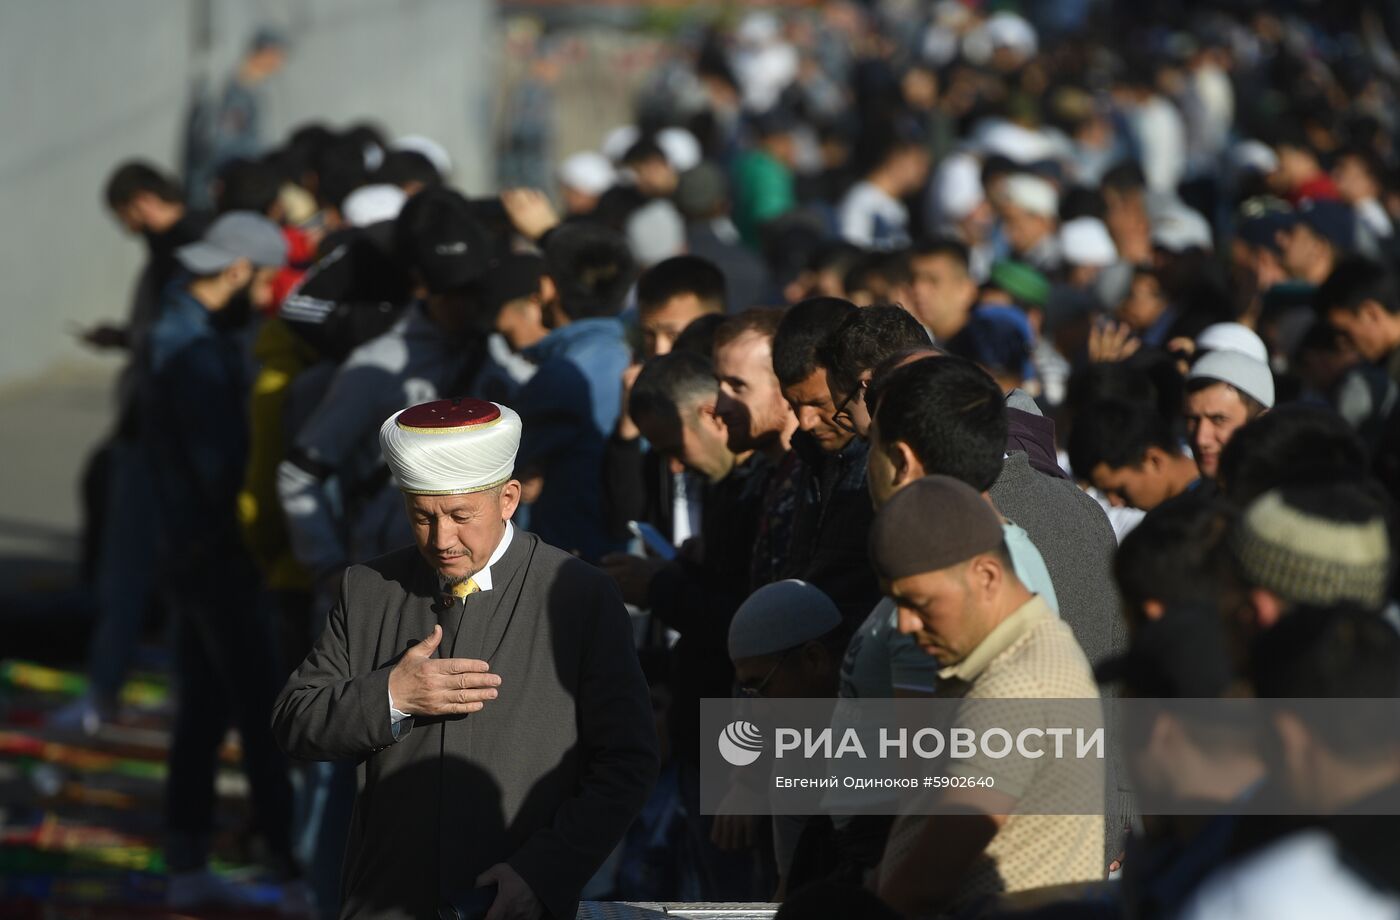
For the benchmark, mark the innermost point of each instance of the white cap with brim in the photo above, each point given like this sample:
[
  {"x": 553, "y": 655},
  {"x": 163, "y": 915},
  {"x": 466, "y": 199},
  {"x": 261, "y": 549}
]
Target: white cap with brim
[
  {"x": 588, "y": 172},
  {"x": 781, "y": 616},
  {"x": 1234, "y": 337},
  {"x": 451, "y": 446},
  {"x": 1086, "y": 241},
  {"x": 373, "y": 204},
  {"x": 1251, "y": 377},
  {"x": 235, "y": 236}
]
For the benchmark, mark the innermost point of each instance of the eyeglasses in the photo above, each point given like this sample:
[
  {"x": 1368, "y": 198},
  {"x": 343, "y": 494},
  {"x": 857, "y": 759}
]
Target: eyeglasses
[
  {"x": 841, "y": 416},
  {"x": 756, "y": 690}
]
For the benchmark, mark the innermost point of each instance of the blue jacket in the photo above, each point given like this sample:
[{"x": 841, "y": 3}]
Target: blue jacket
[
  {"x": 196, "y": 426},
  {"x": 568, "y": 410}
]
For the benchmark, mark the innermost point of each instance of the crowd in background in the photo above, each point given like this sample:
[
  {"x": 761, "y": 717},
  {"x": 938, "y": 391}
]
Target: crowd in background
[{"x": 1093, "y": 306}]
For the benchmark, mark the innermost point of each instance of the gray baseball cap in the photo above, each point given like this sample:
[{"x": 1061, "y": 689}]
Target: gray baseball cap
[{"x": 236, "y": 235}]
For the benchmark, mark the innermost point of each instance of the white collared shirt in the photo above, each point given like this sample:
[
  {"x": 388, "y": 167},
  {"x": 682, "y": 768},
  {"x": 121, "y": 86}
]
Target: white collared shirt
[{"x": 483, "y": 583}]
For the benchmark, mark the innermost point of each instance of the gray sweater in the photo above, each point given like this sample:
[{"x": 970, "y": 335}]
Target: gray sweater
[{"x": 1076, "y": 540}]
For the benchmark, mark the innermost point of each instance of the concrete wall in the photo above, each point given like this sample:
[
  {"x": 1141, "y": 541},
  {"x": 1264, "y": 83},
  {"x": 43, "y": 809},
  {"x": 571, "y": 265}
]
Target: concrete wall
[{"x": 88, "y": 83}]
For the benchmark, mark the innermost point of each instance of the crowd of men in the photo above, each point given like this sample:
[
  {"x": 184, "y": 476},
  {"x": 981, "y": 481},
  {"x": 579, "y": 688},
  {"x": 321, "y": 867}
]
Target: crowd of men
[{"x": 898, "y": 350}]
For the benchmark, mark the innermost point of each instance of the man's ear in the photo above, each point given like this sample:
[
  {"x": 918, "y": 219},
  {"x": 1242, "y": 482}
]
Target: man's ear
[
  {"x": 1267, "y": 607},
  {"x": 548, "y": 292},
  {"x": 510, "y": 499},
  {"x": 906, "y": 465},
  {"x": 1372, "y": 312},
  {"x": 710, "y": 417},
  {"x": 985, "y": 574},
  {"x": 1153, "y": 460}
]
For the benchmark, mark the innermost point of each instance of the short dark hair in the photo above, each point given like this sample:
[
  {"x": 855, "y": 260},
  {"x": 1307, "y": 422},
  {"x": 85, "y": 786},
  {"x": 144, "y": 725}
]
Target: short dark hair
[
  {"x": 678, "y": 276},
  {"x": 1117, "y": 433},
  {"x": 340, "y": 169},
  {"x": 890, "y": 267},
  {"x": 950, "y": 413},
  {"x": 670, "y": 384},
  {"x": 879, "y": 143},
  {"x": 1354, "y": 281},
  {"x": 699, "y": 336},
  {"x": 1171, "y": 556},
  {"x": 1294, "y": 444},
  {"x": 803, "y": 328},
  {"x": 762, "y": 321},
  {"x": 1253, "y": 408},
  {"x": 136, "y": 176},
  {"x": 643, "y": 149},
  {"x": 248, "y": 185},
  {"x": 944, "y": 246},
  {"x": 1124, "y": 176},
  {"x": 591, "y": 267},
  {"x": 863, "y": 340},
  {"x": 402, "y": 167}
]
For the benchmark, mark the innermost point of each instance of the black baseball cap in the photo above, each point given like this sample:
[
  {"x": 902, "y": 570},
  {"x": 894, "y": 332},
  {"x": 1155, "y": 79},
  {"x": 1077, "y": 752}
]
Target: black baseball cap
[{"x": 437, "y": 237}]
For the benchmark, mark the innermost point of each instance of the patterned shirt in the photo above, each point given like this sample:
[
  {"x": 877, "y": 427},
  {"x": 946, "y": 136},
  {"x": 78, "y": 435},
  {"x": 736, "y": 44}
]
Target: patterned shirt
[{"x": 1032, "y": 655}]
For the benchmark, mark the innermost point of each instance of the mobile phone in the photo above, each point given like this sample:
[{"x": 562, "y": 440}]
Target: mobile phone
[{"x": 653, "y": 539}]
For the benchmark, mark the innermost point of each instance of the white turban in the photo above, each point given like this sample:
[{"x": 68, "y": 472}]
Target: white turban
[{"x": 451, "y": 446}]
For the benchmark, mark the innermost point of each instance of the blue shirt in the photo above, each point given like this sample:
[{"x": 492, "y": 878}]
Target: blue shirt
[{"x": 568, "y": 410}]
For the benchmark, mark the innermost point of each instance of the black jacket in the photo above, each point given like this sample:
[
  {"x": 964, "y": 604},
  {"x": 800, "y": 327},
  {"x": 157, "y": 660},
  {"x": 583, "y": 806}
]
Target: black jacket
[{"x": 832, "y": 525}]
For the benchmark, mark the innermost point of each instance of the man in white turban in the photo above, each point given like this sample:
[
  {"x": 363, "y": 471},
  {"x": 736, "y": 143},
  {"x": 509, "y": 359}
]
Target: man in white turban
[{"x": 487, "y": 685}]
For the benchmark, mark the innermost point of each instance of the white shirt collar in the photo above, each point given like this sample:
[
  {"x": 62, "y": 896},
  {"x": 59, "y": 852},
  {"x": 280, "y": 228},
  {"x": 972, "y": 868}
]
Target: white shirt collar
[{"x": 483, "y": 578}]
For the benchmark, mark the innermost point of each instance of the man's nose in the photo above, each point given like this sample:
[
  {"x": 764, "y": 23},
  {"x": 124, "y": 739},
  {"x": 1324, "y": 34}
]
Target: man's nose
[{"x": 908, "y": 622}]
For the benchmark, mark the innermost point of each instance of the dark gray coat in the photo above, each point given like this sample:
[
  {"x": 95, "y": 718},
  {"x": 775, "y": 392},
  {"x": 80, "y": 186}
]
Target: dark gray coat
[
  {"x": 1077, "y": 542},
  {"x": 547, "y": 777}
]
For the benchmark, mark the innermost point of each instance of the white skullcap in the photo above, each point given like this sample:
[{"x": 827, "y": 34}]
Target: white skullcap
[
  {"x": 957, "y": 186},
  {"x": 1180, "y": 229},
  {"x": 655, "y": 232},
  {"x": 1085, "y": 241},
  {"x": 1031, "y": 193},
  {"x": 1007, "y": 30},
  {"x": 780, "y": 616},
  {"x": 618, "y": 141},
  {"x": 588, "y": 172},
  {"x": 681, "y": 148},
  {"x": 1253, "y": 156},
  {"x": 435, "y": 152},
  {"x": 451, "y": 446},
  {"x": 1234, "y": 337},
  {"x": 1017, "y": 143},
  {"x": 372, "y": 204},
  {"x": 1242, "y": 372}
]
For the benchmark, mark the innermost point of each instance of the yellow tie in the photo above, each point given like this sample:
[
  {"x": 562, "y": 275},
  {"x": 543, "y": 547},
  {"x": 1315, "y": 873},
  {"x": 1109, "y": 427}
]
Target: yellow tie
[{"x": 464, "y": 588}]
